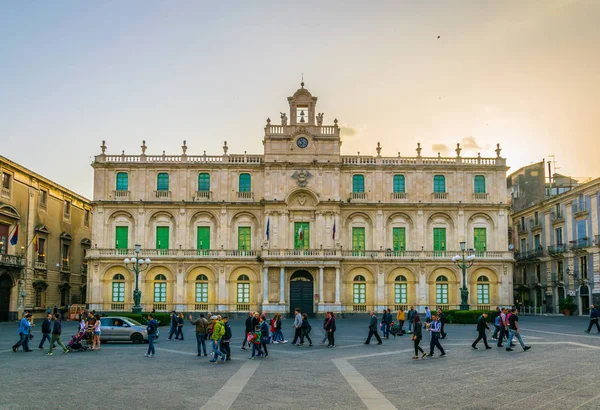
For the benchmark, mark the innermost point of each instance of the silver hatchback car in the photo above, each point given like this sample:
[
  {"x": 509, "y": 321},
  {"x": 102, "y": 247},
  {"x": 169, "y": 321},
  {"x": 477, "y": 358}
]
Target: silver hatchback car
[{"x": 122, "y": 329}]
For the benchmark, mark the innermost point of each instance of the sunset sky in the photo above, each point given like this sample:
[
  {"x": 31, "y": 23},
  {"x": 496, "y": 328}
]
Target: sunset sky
[{"x": 521, "y": 73}]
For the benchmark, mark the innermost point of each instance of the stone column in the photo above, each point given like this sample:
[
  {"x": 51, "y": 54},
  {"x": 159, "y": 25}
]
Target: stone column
[
  {"x": 321, "y": 287},
  {"x": 265, "y": 286},
  {"x": 282, "y": 286},
  {"x": 380, "y": 299},
  {"x": 337, "y": 286},
  {"x": 179, "y": 291},
  {"x": 223, "y": 300}
]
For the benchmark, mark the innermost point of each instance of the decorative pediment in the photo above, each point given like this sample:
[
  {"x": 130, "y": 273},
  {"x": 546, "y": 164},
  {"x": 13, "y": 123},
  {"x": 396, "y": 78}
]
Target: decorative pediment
[
  {"x": 66, "y": 236},
  {"x": 42, "y": 229},
  {"x": 9, "y": 211},
  {"x": 40, "y": 284}
]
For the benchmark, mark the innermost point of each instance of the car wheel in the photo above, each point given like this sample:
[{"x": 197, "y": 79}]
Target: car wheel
[{"x": 137, "y": 338}]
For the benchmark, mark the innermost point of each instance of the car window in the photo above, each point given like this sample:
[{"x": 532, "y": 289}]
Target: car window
[
  {"x": 135, "y": 322},
  {"x": 118, "y": 322},
  {"x": 106, "y": 322}
]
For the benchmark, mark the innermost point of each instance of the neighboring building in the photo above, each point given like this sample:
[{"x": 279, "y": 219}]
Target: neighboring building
[
  {"x": 46, "y": 265},
  {"x": 299, "y": 226},
  {"x": 557, "y": 242}
]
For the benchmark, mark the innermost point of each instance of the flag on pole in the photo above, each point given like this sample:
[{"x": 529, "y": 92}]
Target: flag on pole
[
  {"x": 333, "y": 231},
  {"x": 300, "y": 234},
  {"x": 268, "y": 226},
  {"x": 15, "y": 237}
]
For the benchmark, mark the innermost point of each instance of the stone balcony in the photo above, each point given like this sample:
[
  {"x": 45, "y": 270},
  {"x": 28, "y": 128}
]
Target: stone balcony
[
  {"x": 12, "y": 261},
  {"x": 121, "y": 194}
]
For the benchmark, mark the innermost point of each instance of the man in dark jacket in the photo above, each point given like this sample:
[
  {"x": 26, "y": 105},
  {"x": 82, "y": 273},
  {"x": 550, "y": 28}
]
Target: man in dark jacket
[
  {"x": 373, "y": 329},
  {"x": 46, "y": 330},
  {"x": 442, "y": 319},
  {"x": 56, "y": 332},
  {"x": 594, "y": 316},
  {"x": 481, "y": 328},
  {"x": 201, "y": 325},
  {"x": 249, "y": 329},
  {"x": 330, "y": 329},
  {"x": 174, "y": 326},
  {"x": 410, "y": 317}
]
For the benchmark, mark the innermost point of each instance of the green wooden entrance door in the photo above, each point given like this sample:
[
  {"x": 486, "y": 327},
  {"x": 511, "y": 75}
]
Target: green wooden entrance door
[
  {"x": 162, "y": 238},
  {"x": 203, "y": 244},
  {"x": 358, "y": 241},
  {"x": 479, "y": 241},
  {"x": 122, "y": 239},
  {"x": 399, "y": 240},
  {"x": 439, "y": 241}
]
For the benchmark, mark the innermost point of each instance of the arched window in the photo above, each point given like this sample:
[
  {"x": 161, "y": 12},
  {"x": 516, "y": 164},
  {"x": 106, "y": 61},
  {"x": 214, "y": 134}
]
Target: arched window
[
  {"x": 243, "y": 289},
  {"x": 201, "y": 289},
  {"x": 162, "y": 182},
  {"x": 204, "y": 182},
  {"x": 483, "y": 290},
  {"x": 441, "y": 290},
  {"x": 122, "y": 181},
  {"x": 245, "y": 184},
  {"x": 439, "y": 183},
  {"x": 38, "y": 296},
  {"x": 118, "y": 288},
  {"x": 358, "y": 183},
  {"x": 479, "y": 184},
  {"x": 359, "y": 289},
  {"x": 400, "y": 288},
  {"x": 399, "y": 185},
  {"x": 160, "y": 289}
]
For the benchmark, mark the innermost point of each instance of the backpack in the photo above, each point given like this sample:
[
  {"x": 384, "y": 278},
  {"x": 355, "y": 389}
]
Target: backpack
[
  {"x": 250, "y": 337},
  {"x": 227, "y": 334}
]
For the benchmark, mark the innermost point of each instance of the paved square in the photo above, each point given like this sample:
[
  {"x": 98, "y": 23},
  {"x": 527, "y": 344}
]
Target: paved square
[{"x": 559, "y": 372}]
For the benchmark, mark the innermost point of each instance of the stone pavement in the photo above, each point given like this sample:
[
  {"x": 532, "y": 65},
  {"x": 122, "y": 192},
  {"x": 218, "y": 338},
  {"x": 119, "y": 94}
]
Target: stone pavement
[{"x": 559, "y": 372}]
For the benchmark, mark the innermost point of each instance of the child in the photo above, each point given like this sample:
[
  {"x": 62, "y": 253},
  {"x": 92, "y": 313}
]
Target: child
[
  {"x": 226, "y": 339},
  {"x": 255, "y": 339}
]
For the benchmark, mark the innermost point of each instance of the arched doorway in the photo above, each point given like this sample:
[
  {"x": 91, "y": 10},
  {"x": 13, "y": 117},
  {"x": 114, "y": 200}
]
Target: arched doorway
[
  {"x": 5, "y": 287},
  {"x": 584, "y": 300},
  {"x": 301, "y": 292}
]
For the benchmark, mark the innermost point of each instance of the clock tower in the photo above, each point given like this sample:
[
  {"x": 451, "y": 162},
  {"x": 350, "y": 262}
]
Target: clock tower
[{"x": 301, "y": 137}]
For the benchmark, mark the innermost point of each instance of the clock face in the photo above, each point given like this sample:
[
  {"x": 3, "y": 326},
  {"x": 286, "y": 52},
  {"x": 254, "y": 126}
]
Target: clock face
[{"x": 302, "y": 142}]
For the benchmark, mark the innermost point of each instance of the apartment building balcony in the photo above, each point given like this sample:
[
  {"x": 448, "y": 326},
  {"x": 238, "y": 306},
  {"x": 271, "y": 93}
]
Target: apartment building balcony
[
  {"x": 65, "y": 267},
  {"x": 532, "y": 254},
  {"x": 522, "y": 230},
  {"x": 557, "y": 249},
  {"x": 557, "y": 217},
  {"x": 203, "y": 195},
  {"x": 122, "y": 195},
  {"x": 536, "y": 226},
  {"x": 40, "y": 265},
  {"x": 245, "y": 196},
  {"x": 399, "y": 196},
  {"x": 12, "y": 261},
  {"x": 439, "y": 196},
  {"x": 480, "y": 196},
  {"x": 579, "y": 244},
  {"x": 359, "y": 196},
  {"x": 162, "y": 195},
  {"x": 580, "y": 210}
]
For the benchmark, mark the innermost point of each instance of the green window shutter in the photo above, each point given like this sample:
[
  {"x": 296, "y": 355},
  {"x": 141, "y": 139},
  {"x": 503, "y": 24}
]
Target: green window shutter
[
  {"x": 441, "y": 294},
  {"x": 162, "y": 182},
  {"x": 358, "y": 183},
  {"x": 399, "y": 185},
  {"x": 245, "y": 183},
  {"x": 439, "y": 183},
  {"x": 439, "y": 241},
  {"x": 244, "y": 238},
  {"x": 399, "y": 239},
  {"x": 305, "y": 242},
  {"x": 202, "y": 292},
  {"x": 160, "y": 292},
  {"x": 121, "y": 237},
  {"x": 122, "y": 181},
  {"x": 360, "y": 293},
  {"x": 204, "y": 182},
  {"x": 162, "y": 237},
  {"x": 118, "y": 292},
  {"x": 479, "y": 184},
  {"x": 479, "y": 240},
  {"x": 203, "y": 237},
  {"x": 358, "y": 240}
]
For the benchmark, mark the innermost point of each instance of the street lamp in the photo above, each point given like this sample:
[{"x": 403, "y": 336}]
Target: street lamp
[
  {"x": 464, "y": 262},
  {"x": 137, "y": 264}
]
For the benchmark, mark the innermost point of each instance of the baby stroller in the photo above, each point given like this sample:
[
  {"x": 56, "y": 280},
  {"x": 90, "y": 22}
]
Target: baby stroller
[
  {"x": 76, "y": 343},
  {"x": 395, "y": 329}
]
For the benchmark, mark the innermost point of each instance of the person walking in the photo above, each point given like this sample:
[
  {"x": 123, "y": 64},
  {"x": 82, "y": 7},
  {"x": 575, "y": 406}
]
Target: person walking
[
  {"x": 387, "y": 314},
  {"x": 56, "y": 332},
  {"x": 201, "y": 324},
  {"x": 514, "y": 331},
  {"x": 225, "y": 347},
  {"x": 173, "y": 326},
  {"x": 410, "y": 317},
  {"x": 400, "y": 318},
  {"x": 496, "y": 322},
  {"x": 278, "y": 331},
  {"x": 325, "y": 335},
  {"x": 46, "y": 330},
  {"x": 434, "y": 328},
  {"x": 248, "y": 330},
  {"x": 481, "y": 328},
  {"x": 97, "y": 333},
  {"x": 254, "y": 339},
  {"x": 151, "y": 328},
  {"x": 217, "y": 335},
  {"x": 305, "y": 328},
  {"x": 264, "y": 334},
  {"x": 180, "y": 321},
  {"x": 373, "y": 329},
  {"x": 593, "y": 319},
  {"x": 442, "y": 319},
  {"x": 417, "y": 337},
  {"x": 297, "y": 327},
  {"x": 24, "y": 331},
  {"x": 427, "y": 315},
  {"x": 330, "y": 329}
]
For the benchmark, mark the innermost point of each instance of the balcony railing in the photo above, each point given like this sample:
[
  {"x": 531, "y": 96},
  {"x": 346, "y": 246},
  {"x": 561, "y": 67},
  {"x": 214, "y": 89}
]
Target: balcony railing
[
  {"x": 40, "y": 265},
  {"x": 580, "y": 243},
  {"x": 358, "y": 196},
  {"x": 557, "y": 217},
  {"x": 530, "y": 254},
  {"x": 121, "y": 194},
  {"x": 580, "y": 209},
  {"x": 12, "y": 260},
  {"x": 440, "y": 196},
  {"x": 396, "y": 196},
  {"x": 6, "y": 192},
  {"x": 162, "y": 194},
  {"x": 245, "y": 196},
  {"x": 536, "y": 226},
  {"x": 480, "y": 196},
  {"x": 203, "y": 195},
  {"x": 65, "y": 268},
  {"x": 557, "y": 249}
]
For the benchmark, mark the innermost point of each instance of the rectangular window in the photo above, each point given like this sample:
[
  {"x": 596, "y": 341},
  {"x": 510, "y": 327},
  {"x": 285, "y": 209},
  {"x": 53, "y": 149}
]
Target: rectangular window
[
  {"x": 439, "y": 183},
  {"x": 162, "y": 237},
  {"x": 203, "y": 241},
  {"x": 358, "y": 183},
  {"x": 523, "y": 248},
  {"x": 560, "y": 271},
  {"x": 441, "y": 294},
  {"x": 162, "y": 182},
  {"x": 522, "y": 223},
  {"x": 439, "y": 241},
  {"x": 536, "y": 242},
  {"x": 479, "y": 240},
  {"x": 400, "y": 293},
  {"x": 41, "y": 249},
  {"x": 483, "y": 294},
  {"x": 558, "y": 211},
  {"x": 121, "y": 237},
  {"x": 581, "y": 229},
  {"x": 244, "y": 238},
  {"x": 558, "y": 234},
  {"x": 536, "y": 218},
  {"x": 160, "y": 292},
  {"x": 6, "y": 181},
  {"x": 38, "y": 297},
  {"x": 202, "y": 292},
  {"x": 86, "y": 217},
  {"x": 358, "y": 241},
  {"x": 399, "y": 239},
  {"x": 479, "y": 184},
  {"x": 583, "y": 267},
  {"x": 243, "y": 293},
  {"x": 538, "y": 273},
  {"x": 65, "y": 255},
  {"x": 360, "y": 293},
  {"x": 67, "y": 210},
  {"x": 245, "y": 183},
  {"x": 122, "y": 181},
  {"x": 204, "y": 182},
  {"x": 118, "y": 292},
  {"x": 43, "y": 198},
  {"x": 4, "y": 238},
  {"x": 301, "y": 235},
  {"x": 399, "y": 185}
]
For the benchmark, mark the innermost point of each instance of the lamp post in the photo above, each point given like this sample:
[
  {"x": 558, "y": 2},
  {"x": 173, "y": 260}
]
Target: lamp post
[
  {"x": 464, "y": 262},
  {"x": 137, "y": 264}
]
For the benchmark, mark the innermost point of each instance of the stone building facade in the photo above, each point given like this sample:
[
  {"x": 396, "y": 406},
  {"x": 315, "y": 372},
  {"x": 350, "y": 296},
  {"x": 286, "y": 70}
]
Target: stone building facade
[
  {"x": 558, "y": 249},
  {"x": 46, "y": 265},
  {"x": 300, "y": 225}
]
